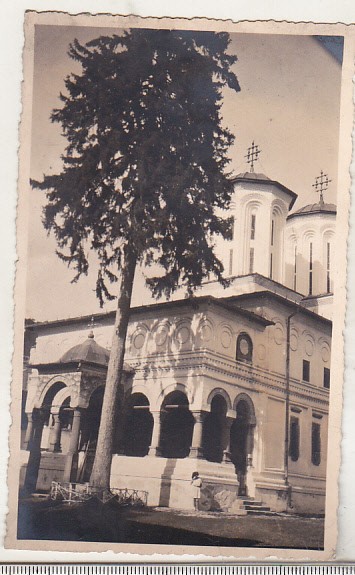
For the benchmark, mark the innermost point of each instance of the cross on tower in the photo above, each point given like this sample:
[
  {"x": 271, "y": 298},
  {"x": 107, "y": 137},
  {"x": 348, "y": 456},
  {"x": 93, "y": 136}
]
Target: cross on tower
[
  {"x": 92, "y": 324},
  {"x": 321, "y": 185},
  {"x": 252, "y": 155}
]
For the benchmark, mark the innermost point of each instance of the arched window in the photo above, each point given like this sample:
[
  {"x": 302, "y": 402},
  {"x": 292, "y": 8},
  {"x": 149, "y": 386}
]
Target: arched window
[{"x": 244, "y": 350}]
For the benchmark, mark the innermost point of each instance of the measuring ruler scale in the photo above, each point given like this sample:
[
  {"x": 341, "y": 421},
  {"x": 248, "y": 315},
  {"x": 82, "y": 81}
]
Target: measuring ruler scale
[{"x": 161, "y": 569}]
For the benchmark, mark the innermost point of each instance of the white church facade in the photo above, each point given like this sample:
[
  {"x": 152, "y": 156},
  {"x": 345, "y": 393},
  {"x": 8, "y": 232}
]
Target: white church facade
[{"x": 233, "y": 383}]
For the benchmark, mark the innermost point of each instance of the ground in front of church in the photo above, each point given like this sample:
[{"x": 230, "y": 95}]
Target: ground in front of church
[{"x": 48, "y": 520}]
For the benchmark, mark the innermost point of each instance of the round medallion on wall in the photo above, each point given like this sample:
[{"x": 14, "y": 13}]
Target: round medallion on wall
[
  {"x": 182, "y": 334},
  {"x": 293, "y": 341},
  {"x": 261, "y": 352},
  {"x": 226, "y": 338},
  {"x": 161, "y": 335},
  {"x": 278, "y": 334},
  {"x": 206, "y": 332},
  {"x": 325, "y": 354},
  {"x": 309, "y": 347},
  {"x": 138, "y": 340},
  {"x": 244, "y": 346}
]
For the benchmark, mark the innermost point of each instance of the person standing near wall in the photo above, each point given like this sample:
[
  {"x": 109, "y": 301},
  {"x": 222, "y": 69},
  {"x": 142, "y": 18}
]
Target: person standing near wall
[{"x": 196, "y": 483}]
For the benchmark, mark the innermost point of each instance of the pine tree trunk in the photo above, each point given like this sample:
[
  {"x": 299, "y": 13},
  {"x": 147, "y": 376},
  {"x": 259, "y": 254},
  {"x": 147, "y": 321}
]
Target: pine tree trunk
[{"x": 100, "y": 476}]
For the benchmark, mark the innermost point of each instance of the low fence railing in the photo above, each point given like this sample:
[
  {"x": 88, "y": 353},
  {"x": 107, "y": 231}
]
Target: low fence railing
[{"x": 80, "y": 492}]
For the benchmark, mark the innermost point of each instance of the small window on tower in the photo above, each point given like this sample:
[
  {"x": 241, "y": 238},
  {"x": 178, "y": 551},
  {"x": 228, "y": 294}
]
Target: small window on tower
[
  {"x": 326, "y": 378},
  {"x": 306, "y": 370},
  {"x": 252, "y": 227},
  {"x": 310, "y": 283}
]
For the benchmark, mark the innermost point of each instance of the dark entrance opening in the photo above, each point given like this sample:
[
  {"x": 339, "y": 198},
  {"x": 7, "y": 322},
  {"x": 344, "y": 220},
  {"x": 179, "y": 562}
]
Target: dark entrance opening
[
  {"x": 177, "y": 425},
  {"x": 139, "y": 426},
  {"x": 241, "y": 443},
  {"x": 213, "y": 430},
  {"x": 90, "y": 431}
]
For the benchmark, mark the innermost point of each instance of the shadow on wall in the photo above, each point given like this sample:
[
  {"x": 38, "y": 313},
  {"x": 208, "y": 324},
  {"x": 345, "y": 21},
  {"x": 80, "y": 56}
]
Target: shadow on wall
[{"x": 165, "y": 485}]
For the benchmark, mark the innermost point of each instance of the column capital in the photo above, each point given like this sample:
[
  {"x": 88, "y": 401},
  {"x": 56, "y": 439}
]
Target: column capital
[{"x": 199, "y": 415}]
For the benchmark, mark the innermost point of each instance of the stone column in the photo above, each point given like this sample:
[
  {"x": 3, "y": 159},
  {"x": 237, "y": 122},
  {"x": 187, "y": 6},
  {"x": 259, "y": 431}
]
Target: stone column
[
  {"x": 154, "y": 445},
  {"x": 29, "y": 431},
  {"x": 54, "y": 436},
  {"x": 71, "y": 462},
  {"x": 227, "y": 440},
  {"x": 250, "y": 445},
  {"x": 196, "y": 450},
  {"x": 34, "y": 447}
]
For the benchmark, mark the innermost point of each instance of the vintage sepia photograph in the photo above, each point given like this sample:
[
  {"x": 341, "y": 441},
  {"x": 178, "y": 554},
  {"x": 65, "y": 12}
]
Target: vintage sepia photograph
[{"x": 180, "y": 256}]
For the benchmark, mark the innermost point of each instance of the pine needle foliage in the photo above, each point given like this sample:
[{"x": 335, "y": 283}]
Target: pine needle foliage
[{"x": 145, "y": 167}]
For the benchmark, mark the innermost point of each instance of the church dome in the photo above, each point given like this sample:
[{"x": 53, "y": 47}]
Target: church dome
[
  {"x": 318, "y": 208},
  {"x": 88, "y": 351}
]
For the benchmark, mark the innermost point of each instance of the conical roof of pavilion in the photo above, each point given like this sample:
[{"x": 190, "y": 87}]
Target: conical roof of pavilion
[{"x": 88, "y": 351}]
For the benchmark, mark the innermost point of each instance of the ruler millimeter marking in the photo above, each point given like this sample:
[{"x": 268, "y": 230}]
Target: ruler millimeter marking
[{"x": 183, "y": 569}]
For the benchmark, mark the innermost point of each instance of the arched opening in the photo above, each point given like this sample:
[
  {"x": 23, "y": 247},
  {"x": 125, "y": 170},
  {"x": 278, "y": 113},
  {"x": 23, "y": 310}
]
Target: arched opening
[
  {"x": 241, "y": 446},
  {"x": 48, "y": 400},
  {"x": 139, "y": 426},
  {"x": 213, "y": 430},
  {"x": 177, "y": 424},
  {"x": 90, "y": 431}
]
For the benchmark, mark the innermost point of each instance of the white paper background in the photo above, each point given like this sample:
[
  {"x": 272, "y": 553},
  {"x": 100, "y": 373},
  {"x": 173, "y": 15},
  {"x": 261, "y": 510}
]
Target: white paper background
[{"x": 11, "y": 43}]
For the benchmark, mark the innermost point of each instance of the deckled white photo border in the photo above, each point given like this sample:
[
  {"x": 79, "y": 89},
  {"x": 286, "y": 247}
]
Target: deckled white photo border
[{"x": 346, "y": 119}]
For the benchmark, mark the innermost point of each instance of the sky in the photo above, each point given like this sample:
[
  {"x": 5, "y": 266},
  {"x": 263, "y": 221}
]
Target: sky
[{"x": 288, "y": 104}]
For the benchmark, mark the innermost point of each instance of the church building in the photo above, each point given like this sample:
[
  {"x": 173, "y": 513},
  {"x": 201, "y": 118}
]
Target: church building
[{"x": 233, "y": 383}]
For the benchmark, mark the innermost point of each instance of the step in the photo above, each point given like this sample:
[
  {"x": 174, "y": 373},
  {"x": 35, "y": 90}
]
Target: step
[
  {"x": 257, "y": 512},
  {"x": 256, "y": 508}
]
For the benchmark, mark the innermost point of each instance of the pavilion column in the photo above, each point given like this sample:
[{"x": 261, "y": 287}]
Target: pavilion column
[
  {"x": 29, "y": 431},
  {"x": 71, "y": 462},
  {"x": 55, "y": 432},
  {"x": 154, "y": 444},
  {"x": 227, "y": 440},
  {"x": 196, "y": 450},
  {"x": 250, "y": 445},
  {"x": 34, "y": 447}
]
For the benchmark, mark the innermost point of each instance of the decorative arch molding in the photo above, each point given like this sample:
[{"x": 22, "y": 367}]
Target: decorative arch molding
[
  {"x": 307, "y": 236},
  {"x": 59, "y": 399},
  {"x": 254, "y": 202},
  {"x": 164, "y": 392},
  {"x": 225, "y": 334},
  {"x": 86, "y": 398},
  {"x": 308, "y": 342},
  {"x": 139, "y": 337},
  {"x": 279, "y": 209},
  {"x": 206, "y": 329},
  {"x": 41, "y": 394},
  {"x": 221, "y": 392},
  {"x": 138, "y": 388},
  {"x": 327, "y": 232},
  {"x": 182, "y": 333},
  {"x": 160, "y": 333},
  {"x": 245, "y": 397},
  {"x": 325, "y": 349}
]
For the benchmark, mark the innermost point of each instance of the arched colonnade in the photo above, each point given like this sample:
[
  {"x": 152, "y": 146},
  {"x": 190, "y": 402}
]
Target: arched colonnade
[{"x": 174, "y": 430}]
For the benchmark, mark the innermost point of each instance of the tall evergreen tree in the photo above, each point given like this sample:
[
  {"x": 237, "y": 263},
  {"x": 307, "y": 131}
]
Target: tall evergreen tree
[{"x": 144, "y": 173}]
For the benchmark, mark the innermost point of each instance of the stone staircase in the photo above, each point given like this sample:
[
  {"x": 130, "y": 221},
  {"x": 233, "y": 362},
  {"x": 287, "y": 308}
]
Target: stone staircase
[{"x": 255, "y": 507}]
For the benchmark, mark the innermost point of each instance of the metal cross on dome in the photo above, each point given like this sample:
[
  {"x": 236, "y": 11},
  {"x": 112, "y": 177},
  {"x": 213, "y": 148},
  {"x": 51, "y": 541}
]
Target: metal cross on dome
[
  {"x": 92, "y": 324},
  {"x": 252, "y": 155},
  {"x": 321, "y": 185}
]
